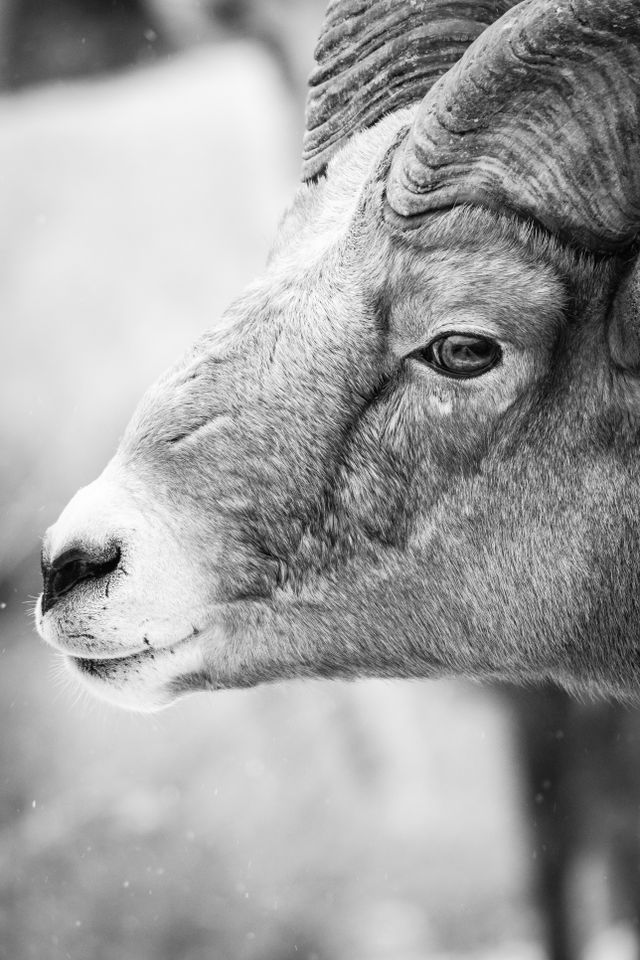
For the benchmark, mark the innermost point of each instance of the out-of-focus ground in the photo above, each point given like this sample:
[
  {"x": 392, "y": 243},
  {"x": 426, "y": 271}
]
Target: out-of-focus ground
[{"x": 311, "y": 821}]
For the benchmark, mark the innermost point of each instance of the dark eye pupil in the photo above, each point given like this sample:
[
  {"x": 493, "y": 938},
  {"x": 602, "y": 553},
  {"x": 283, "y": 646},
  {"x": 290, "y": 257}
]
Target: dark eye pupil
[{"x": 462, "y": 355}]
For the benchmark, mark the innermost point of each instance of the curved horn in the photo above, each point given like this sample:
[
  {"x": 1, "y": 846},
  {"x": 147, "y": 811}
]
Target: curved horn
[
  {"x": 375, "y": 57},
  {"x": 541, "y": 115}
]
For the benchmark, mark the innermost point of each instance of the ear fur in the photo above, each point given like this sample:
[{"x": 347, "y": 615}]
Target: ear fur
[{"x": 624, "y": 320}]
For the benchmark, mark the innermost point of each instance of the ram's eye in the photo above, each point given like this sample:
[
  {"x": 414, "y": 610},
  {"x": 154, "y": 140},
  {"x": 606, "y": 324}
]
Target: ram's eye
[{"x": 460, "y": 354}]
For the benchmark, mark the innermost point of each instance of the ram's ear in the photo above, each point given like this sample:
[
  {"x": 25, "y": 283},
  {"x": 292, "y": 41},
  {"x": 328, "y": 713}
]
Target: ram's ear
[{"x": 624, "y": 321}]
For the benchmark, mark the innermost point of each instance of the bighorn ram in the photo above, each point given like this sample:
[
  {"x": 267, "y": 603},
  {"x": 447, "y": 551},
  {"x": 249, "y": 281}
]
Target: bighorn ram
[{"x": 413, "y": 449}]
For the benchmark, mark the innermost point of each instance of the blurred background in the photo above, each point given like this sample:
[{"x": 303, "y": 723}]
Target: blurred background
[{"x": 147, "y": 149}]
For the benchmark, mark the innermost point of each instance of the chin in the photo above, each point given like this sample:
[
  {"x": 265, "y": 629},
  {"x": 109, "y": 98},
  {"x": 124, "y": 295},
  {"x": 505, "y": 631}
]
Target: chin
[{"x": 144, "y": 680}]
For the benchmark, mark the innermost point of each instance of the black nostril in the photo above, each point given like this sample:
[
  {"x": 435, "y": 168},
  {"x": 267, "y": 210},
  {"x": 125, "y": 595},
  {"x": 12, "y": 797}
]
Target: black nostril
[{"x": 73, "y": 566}]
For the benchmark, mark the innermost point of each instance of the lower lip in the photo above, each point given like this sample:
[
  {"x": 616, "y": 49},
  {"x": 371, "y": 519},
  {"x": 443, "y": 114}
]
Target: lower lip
[{"x": 98, "y": 666}]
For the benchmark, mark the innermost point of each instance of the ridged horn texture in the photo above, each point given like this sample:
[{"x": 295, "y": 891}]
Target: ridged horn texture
[
  {"x": 375, "y": 56},
  {"x": 540, "y": 115}
]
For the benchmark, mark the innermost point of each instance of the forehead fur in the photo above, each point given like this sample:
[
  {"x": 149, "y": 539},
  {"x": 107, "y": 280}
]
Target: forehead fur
[
  {"x": 495, "y": 244},
  {"x": 322, "y": 211}
]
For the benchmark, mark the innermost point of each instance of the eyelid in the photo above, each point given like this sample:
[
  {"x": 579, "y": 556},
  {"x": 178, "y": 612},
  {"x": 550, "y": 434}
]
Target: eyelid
[
  {"x": 490, "y": 356},
  {"x": 447, "y": 330}
]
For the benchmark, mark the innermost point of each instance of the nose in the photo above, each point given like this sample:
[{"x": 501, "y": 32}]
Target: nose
[{"x": 74, "y": 566}]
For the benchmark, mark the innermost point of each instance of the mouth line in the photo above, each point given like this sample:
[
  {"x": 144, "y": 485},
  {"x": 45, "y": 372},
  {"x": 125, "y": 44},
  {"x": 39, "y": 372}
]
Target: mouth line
[
  {"x": 98, "y": 667},
  {"x": 93, "y": 664}
]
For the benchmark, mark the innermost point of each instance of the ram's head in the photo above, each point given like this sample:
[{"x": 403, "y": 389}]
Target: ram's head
[{"x": 412, "y": 449}]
